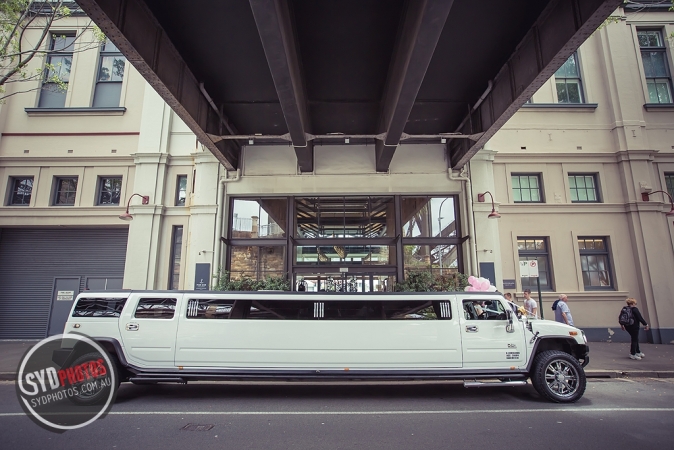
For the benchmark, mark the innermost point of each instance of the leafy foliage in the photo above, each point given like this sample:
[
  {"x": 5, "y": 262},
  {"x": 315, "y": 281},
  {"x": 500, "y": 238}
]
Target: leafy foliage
[
  {"x": 246, "y": 283},
  {"x": 425, "y": 281}
]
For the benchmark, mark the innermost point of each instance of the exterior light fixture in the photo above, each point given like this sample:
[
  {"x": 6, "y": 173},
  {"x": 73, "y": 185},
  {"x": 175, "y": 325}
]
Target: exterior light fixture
[
  {"x": 346, "y": 140},
  {"x": 126, "y": 216},
  {"x": 493, "y": 214},
  {"x": 443, "y": 140},
  {"x": 645, "y": 197},
  {"x": 251, "y": 141}
]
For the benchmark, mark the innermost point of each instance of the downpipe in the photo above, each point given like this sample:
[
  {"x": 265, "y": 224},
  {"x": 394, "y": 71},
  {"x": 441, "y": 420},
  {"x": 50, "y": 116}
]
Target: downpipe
[
  {"x": 217, "y": 250},
  {"x": 468, "y": 192}
]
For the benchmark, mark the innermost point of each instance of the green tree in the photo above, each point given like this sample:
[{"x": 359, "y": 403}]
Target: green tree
[{"x": 17, "y": 51}]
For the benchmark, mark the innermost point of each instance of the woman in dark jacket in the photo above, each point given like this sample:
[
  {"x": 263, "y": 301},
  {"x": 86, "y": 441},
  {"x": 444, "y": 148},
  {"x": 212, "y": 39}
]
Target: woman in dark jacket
[{"x": 633, "y": 329}]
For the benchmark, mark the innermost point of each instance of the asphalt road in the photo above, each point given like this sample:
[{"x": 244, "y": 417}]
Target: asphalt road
[{"x": 613, "y": 414}]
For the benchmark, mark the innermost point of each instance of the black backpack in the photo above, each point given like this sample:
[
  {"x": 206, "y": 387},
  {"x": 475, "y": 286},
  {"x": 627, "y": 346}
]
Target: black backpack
[
  {"x": 626, "y": 317},
  {"x": 554, "y": 305}
]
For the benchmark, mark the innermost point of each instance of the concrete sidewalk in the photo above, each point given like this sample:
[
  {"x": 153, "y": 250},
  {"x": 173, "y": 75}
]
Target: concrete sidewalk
[{"x": 607, "y": 360}]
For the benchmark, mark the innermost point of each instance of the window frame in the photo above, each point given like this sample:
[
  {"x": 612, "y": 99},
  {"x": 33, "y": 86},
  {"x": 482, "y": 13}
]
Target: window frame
[
  {"x": 102, "y": 55},
  {"x": 52, "y": 53},
  {"x": 589, "y": 252},
  {"x": 578, "y": 77},
  {"x": 13, "y": 180},
  {"x": 99, "y": 191},
  {"x": 595, "y": 181},
  {"x": 549, "y": 287},
  {"x": 669, "y": 183},
  {"x": 56, "y": 194},
  {"x": 174, "y": 279},
  {"x": 527, "y": 174},
  {"x": 176, "y": 201},
  {"x": 662, "y": 49}
]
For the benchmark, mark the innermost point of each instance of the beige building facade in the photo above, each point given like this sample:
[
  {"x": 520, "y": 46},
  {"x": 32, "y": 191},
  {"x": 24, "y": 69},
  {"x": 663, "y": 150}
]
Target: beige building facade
[{"x": 567, "y": 174}]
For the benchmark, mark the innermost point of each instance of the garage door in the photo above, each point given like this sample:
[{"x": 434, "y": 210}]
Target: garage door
[{"x": 31, "y": 259}]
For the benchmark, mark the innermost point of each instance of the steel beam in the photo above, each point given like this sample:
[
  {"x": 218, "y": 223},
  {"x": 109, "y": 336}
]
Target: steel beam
[
  {"x": 421, "y": 29},
  {"x": 560, "y": 29},
  {"x": 136, "y": 32},
  {"x": 275, "y": 27}
]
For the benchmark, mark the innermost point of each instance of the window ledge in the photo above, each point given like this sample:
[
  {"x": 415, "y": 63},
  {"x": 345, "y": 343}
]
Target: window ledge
[
  {"x": 582, "y": 107},
  {"x": 87, "y": 111},
  {"x": 659, "y": 106}
]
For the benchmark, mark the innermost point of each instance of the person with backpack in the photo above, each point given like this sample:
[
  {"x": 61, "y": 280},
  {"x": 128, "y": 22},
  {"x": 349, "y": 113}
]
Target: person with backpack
[
  {"x": 562, "y": 311},
  {"x": 630, "y": 320}
]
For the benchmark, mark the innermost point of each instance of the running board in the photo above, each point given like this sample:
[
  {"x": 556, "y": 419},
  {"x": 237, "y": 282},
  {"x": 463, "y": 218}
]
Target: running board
[
  {"x": 150, "y": 380},
  {"x": 477, "y": 384}
]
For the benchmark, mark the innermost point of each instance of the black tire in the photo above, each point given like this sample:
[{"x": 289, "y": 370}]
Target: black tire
[
  {"x": 558, "y": 377},
  {"x": 100, "y": 396}
]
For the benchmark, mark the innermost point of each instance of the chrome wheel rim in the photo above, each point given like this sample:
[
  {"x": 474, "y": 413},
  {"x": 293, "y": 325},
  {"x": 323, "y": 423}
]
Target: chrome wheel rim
[{"x": 562, "y": 378}]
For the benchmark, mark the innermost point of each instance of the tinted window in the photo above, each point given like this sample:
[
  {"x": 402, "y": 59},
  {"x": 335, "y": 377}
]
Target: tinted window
[
  {"x": 391, "y": 310},
  {"x": 204, "y": 308},
  {"x": 280, "y": 310},
  {"x": 324, "y": 310},
  {"x": 156, "y": 308},
  {"x": 99, "y": 307}
]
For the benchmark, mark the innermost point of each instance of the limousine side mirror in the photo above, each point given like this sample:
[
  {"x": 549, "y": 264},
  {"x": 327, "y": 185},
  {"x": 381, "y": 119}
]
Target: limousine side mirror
[{"x": 510, "y": 328}]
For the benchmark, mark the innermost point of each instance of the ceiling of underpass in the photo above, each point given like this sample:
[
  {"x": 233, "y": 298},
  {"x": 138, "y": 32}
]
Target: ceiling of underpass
[{"x": 389, "y": 68}]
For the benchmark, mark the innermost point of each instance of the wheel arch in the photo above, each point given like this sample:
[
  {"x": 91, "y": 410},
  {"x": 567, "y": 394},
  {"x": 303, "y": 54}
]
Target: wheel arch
[{"x": 564, "y": 344}]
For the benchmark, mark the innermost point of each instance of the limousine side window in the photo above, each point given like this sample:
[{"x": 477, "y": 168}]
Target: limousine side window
[
  {"x": 392, "y": 310},
  {"x": 99, "y": 307},
  {"x": 280, "y": 310},
  {"x": 204, "y": 308},
  {"x": 156, "y": 308},
  {"x": 484, "y": 310}
]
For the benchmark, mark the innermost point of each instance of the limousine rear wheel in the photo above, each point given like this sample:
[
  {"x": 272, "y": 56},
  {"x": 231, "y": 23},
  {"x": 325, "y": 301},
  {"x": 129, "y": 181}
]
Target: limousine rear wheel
[
  {"x": 558, "y": 376},
  {"x": 91, "y": 393}
]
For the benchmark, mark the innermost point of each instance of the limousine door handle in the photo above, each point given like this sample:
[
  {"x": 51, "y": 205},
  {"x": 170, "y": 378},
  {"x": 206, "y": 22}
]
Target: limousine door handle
[
  {"x": 131, "y": 327},
  {"x": 471, "y": 328}
]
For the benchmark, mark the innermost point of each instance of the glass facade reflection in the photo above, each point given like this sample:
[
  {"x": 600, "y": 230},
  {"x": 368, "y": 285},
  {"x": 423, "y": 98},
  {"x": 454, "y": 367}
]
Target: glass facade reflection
[{"x": 343, "y": 243}]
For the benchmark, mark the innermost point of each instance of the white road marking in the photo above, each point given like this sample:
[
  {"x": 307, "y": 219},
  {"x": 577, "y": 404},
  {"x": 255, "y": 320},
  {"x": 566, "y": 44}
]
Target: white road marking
[{"x": 366, "y": 413}]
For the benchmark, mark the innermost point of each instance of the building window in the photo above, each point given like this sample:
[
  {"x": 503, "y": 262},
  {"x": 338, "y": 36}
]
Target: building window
[
  {"x": 527, "y": 188},
  {"x": 181, "y": 190},
  {"x": 57, "y": 71},
  {"x": 594, "y": 263},
  {"x": 567, "y": 79},
  {"x": 110, "y": 76},
  {"x": 669, "y": 182},
  {"x": 583, "y": 188},
  {"x": 656, "y": 67},
  {"x": 176, "y": 252},
  {"x": 536, "y": 248},
  {"x": 22, "y": 189},
  {"x": 109, "y": 190},
  {"x": 66, "y": 188}
]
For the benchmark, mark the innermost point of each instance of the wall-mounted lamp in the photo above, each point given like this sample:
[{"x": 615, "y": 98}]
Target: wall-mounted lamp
[
  {"x": 645, "y": 197},
  {"x": 493, "y": 214},
  {"x": 347, "y": 140},
  {"x": 145, "y": 200},
  {"x": 251, "y": 141}
]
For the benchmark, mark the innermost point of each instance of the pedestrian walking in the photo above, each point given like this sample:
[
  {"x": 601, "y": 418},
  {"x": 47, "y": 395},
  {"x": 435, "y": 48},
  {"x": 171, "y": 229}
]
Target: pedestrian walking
[
  {"x": 530, "y": 304},
  {"x": 633, "y": 325},
  {"x": 562, "y": 311}
]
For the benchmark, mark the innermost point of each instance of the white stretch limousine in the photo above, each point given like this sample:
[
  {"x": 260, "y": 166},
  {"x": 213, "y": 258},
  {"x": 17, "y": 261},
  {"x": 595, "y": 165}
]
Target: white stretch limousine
[{"x": 177, "y": 336}]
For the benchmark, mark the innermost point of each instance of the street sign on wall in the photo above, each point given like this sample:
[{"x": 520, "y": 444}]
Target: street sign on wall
[{"x": 529, "y": 269}]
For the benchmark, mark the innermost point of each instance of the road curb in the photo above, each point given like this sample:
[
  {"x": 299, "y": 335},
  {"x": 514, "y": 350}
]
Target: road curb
[{"x": 629, "y": 374}]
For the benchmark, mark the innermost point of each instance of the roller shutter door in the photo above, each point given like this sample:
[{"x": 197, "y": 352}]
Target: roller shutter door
[{"x": 30, "y": 259}]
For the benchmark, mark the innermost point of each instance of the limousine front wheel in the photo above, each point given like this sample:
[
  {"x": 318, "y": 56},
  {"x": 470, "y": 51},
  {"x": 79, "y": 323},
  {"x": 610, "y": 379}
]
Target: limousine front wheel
[{"x": 558, "y": 376}]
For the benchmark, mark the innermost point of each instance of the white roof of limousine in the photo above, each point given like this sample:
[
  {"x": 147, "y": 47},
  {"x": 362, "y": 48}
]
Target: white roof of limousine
[{"x": 288, "y": 295}]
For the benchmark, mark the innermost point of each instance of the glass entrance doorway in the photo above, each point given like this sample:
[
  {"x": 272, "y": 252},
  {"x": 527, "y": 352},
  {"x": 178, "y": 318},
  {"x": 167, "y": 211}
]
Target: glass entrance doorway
[{"x": 344, "y": 282}]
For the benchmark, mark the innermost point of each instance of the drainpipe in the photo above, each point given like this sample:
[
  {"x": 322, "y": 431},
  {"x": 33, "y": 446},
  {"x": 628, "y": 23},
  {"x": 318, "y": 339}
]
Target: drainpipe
[
  {"x": 217, "y": 251},
  {"x": 468, "y": 192}
]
